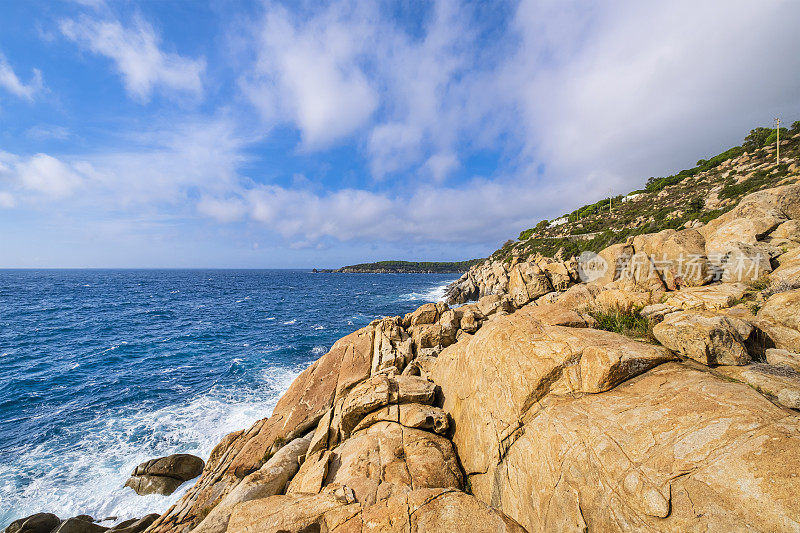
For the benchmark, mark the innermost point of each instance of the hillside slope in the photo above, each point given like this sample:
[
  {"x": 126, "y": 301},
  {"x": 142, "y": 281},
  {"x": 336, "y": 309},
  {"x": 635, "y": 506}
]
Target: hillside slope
[{"x": 701, "y": 193}]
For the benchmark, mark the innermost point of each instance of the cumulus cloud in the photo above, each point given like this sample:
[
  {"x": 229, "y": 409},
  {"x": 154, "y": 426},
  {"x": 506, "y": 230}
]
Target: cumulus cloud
[
  {"x": 41, "y": 174},
  {"x": 311, "y": 73},
  {"x": 12, "y": 84},
  {"x": 138, "y": 56},
  {"x": 568, "y": 98},
  {"x": 628, "y": 89}
]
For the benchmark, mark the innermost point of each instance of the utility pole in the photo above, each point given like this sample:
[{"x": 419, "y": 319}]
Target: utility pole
[
  {"x": 778, "y": 141},
  {"x": 610, "y": 193}
]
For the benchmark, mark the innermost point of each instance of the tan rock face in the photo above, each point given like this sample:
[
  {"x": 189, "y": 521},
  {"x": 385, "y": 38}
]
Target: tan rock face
[
  {"x": 746, "y": 262},
  {"x": 706, "y": 337},
  {"x": 777, "y": 357},
  {"x": 425, "y": 314},
  {"x": 269, "y": 480},
  {"x": 420, "y": 511},
  {"x": 789, "y": 230},
  {"x": 558, "y": 315},
  {"x": 783, "y": 309},
  {"x": 681, "y": 260},
  {"x": 717, "y": 296},
  {"x": 778, "y": 382},
  {"x": 672, "y": 450},
  {"x": 513, "y": 362},
  {"x": 754, "y": 217},
  {"x": 381, "y": 460},
  {"x": 613, "y": 299},
  {"x": 379, "y": 391},
  {"x": 527, "y": 282},
  {"x": 616, "y": 258},
  {"x": 410, "y": 415}
]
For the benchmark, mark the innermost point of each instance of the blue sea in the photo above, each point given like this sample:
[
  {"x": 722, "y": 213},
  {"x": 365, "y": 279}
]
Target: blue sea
[{"x": 103, "y": 369}]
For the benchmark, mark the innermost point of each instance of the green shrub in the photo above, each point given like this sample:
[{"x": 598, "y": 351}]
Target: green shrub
[
  {"x": 774, "y": 136},
  {"x": 626, "y": 322},
  {"x": 696, "y": 204},
  {"x": 756, "y": 138}
]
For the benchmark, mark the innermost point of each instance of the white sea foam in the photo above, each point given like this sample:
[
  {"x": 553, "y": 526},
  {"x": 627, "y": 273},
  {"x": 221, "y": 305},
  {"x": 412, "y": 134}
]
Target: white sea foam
[
  {"x": 318, "y": 350},
  {"x": 434, "y": 294},
  {"x": 290, "y": 322},
  {"x": 88, "y": 476}
]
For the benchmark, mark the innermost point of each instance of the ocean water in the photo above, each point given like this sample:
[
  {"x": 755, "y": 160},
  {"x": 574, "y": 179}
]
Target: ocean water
[{"x": 103, "y": 369}]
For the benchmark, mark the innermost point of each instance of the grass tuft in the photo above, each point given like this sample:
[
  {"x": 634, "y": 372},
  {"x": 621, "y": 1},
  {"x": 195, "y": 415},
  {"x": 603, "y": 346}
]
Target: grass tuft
[{"x": 626, "y": 322}]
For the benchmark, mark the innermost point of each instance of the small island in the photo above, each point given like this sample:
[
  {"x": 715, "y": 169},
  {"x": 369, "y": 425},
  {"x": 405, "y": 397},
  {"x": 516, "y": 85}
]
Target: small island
[{"x": 406, "y": 267}]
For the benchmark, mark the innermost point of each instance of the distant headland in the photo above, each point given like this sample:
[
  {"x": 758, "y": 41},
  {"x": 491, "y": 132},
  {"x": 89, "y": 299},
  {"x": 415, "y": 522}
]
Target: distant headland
[{"x": 406, "y": 267}]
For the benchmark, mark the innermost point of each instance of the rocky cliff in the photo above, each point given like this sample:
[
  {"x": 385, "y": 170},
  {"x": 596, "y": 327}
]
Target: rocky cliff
[
  {"x": 522, "y": 411},
  {"x": 652, "y": 386}
]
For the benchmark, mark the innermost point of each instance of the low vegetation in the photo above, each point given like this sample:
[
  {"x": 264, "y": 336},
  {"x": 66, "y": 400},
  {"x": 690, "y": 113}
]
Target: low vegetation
[
  {"x": 428, "y": 267},
  {"x": 626, "y": 322},
  {"x": 701, "y": 193}
]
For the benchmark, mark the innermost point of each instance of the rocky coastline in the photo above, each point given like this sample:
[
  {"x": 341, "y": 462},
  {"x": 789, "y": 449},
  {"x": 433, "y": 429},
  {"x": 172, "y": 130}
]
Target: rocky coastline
[
  {"x": 654, "y": 386},
  {"x": 404, "y": 267}
]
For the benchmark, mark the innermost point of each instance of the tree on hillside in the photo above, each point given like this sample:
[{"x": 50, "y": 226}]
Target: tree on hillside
[
  {"x": 795, "y": 127},
  {"x": 756, "y": 138}
]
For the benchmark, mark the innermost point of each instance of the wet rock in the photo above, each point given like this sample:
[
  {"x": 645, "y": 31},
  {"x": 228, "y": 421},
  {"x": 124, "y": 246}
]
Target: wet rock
[
  {"x": 135, "y": 525},
  {"x": 35, "y": 523},
  {"x": 165, "y": 474},
  {"x": 79, "y": 525}
]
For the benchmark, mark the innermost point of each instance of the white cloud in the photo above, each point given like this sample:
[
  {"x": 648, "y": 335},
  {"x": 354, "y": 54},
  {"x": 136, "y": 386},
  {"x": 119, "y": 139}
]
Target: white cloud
[
  {"x": 441, "y": 165},
  {"x": 46, "y": 174},
  {"x": 629, "y": 89},
  {"x": 350, "y": 70},
  {"x": 311, "y": 74},
  {"x": 11, "y": 82},
  {"x": 222, "y": 209},
  {"x": 569, "y": 100},
  {"x": 135, "y": 50}
]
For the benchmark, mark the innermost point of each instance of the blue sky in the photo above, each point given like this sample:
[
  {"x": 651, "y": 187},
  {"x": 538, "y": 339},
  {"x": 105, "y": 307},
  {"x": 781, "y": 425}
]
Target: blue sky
[{"x": 301, "y": 134}]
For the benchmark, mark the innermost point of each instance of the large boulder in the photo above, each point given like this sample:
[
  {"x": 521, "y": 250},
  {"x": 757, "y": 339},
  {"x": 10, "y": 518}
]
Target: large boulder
[
  {"x": 491, "y": 383},
  {"x": 778, "y": 357},
  {"x": 383, "y": 459},
  {"x": 380, "y": 391},
  {"x": 79, "y": 524},
  {"x": 609, "y": 264},
  {"x": 681, "y": 260},
  {"x": 35, "y": 523},
  {"x": 419, "y": 511},
  {"x": 526, "y": 282},
  {"x": 710, "y": 297},
  {"x": 783, "y": 309},
  {"x": 706, "y": 337},
  {"x": 135, "y": 525},
  {"x": 165, "y": 474},
  {"x": 755, "y": 216},
  {"x": 674, "y": 449}
]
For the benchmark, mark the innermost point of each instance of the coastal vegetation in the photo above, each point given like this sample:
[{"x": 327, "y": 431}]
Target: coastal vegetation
[
  {"x": 408, "y": 267},
  {"x": 700, "y": 193}
]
